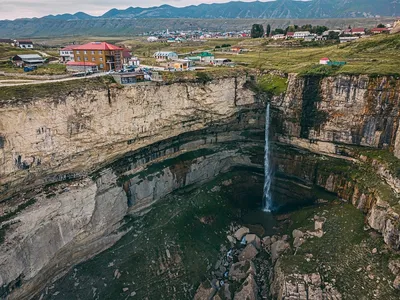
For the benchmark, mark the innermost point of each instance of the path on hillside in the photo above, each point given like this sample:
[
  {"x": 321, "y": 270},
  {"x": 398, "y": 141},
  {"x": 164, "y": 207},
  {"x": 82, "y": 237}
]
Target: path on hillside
[{"x": 17, "y": 82}]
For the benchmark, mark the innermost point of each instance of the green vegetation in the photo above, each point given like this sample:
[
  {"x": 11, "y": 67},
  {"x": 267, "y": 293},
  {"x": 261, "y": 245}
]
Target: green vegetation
[
  {"x": 53, "y": 89},
  {"x": 167, "y": 253},
  {"x": 272, "y": 84},
  {"x": 50, "y": 69},
  {"x": 345, "y": 261},
  {"x": 257, "y": 31},
  {"x": 375, "y": 55}
]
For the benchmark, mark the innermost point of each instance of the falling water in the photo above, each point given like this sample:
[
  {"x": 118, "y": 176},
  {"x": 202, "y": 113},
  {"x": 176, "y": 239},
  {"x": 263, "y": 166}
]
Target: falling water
[{"x": 267, "y": 199}]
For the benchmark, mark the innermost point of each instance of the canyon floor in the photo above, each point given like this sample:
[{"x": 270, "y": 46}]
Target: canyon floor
[{"x": 182, "y": 241}]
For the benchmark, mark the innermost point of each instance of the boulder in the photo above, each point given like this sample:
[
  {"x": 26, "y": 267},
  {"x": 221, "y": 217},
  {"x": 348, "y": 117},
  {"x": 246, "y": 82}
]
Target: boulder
[
  {"x": 231, "y": 239},
  {"x": 394, "y": 266},
  {"x": 205, "y": 292},
  {"x": 297, "y": 233},
  {"x": 267, "y": 241},
  {"x": 319, "y": 223},
  {"x": 224, "y": 293},
  {"x": 249, "y": 252},
  {"x": 298, "y": 241},
  {"x": 241, "y": 270},
  {"x": 241, "y": 232},
  {"x": 253, "y": 239},
  {"x": 248, "y": 290},
  {"x": 396, "y": 283},
  {"x": 278, "y": 248}
]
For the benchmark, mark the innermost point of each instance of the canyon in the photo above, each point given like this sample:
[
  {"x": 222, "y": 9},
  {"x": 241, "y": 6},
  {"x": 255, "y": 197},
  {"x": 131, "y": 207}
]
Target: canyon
[{"x": 77, "y": 159}]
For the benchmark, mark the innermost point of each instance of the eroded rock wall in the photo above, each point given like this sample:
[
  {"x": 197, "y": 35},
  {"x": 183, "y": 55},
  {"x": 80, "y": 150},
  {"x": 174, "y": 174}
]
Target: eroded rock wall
[
  {"x": 52, "y": 138},
  {"x": 358, "y": 110}
]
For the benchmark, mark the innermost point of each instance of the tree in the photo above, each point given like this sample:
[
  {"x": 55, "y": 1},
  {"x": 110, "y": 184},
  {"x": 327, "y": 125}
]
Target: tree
[
  {"x": 381, "y": 26},
  {"x": 278, "y": 31},
  {"x": 332, "y": 35},
  {"x": 257, "y": 31},
  {"x": 268, "y": 30}
]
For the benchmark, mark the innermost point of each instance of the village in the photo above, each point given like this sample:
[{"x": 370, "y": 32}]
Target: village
[{"x": 127, "y": 66}]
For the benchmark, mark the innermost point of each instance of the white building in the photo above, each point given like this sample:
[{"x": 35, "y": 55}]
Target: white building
[
  {"x": 24, "y": 44},
  {"x": 67, "y": 54},
  {"x": 152, "y": 39},
  {"x": 324, "y": 61},
  {"x": 278, "y": 37},
  {"x": 165, "y": 55},
  {"x": 301, "y": 34}
]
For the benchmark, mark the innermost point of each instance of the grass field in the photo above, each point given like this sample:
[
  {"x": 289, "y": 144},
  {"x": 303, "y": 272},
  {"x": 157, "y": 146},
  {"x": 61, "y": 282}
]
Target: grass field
[{"x": 377, "y": 55}]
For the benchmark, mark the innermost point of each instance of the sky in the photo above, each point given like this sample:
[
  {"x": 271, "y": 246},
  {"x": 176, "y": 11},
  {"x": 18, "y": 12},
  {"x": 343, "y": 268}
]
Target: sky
[{"x": 13, "y": 9}]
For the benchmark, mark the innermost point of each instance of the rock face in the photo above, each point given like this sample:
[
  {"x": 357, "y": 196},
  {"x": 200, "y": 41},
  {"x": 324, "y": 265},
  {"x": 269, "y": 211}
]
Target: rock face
[
  {"x": 82, "y": 129},
  {"x": 249, "y": 289},
  {"x": 73, "y": 220},
  {"x": 340, "y": 109}
]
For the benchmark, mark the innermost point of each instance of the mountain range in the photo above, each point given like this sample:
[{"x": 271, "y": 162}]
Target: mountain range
[
  {"x": 278, "y": 9},
  {"x": 214, "y": 17}
]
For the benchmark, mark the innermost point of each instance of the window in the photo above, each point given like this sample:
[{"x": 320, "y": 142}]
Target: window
[
  {"x": 101, "y": 59},
  {"x": 85, "y": 52},
  {"x": 101, "y": 66},
  {"x": 77, "y": 52},
  {"x": 92, "y": 52},
  {"x": 100, "y": 52},
  {"x": 86, "y": 59},
  {"x": 93, "y": 59},
  {"x": 79, "y": 58}
]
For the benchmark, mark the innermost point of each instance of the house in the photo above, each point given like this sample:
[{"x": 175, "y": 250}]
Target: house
[
  {"x": 24, "y": 44},
  {"x": 301, "y": 34},
  {"x": 236, "y": 49},
  {"x": 181, "y": 64},
  {"x": 347, "y": 31},
  {"x": 380, "y": 30},
  {"x": 27, "y": 60},
  {"x": 6, "y": 41},
  {"x": 81, "y": 66},
  {"x": 165, "y": 55},
  {"x": 107, "y": 57},
  {"x": 278, "y": 37},
  {"x": 346, "y": 39},
  {"x": 127, "y": 55},
  {"x": 289, "y": 35},
  {"x": 152, "y": 39},
  {"x": 310, "y": 38},
  {"x": 67, "y": 54},
  {"x": 134, "y": 61},
  {"x": 358, "y": 31},
  {"x": 129, "y": 78},
  {"x": 206, "y": 57},
  {"x": 221, "y": 61},
  {"x": 324, "y": 61}
]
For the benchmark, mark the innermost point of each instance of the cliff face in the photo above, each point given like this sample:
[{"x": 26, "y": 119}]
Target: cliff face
[
  {"x": 75, "y": 162},
  {"x": 65, "y": 135},
  {"x": 357, "y": 110},
  {"x": 143, "y": 142}
]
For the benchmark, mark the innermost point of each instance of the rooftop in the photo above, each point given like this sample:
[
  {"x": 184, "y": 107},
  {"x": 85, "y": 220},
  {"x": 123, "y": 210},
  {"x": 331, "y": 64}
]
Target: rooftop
[
  {"x": 97, "y": 46},
  {"x": 68, "y": 48},
  {"x": 80, "y": 63}
]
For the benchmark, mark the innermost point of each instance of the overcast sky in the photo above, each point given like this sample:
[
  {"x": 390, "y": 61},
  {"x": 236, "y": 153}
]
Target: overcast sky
[{"x": 13, "y": 9}]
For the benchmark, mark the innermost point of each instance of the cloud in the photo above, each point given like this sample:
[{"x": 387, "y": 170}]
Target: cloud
[{"x": 10, "y": 9}]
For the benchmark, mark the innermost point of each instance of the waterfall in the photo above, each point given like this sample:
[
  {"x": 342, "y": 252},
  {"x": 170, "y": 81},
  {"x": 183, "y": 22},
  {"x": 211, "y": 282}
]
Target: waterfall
[{"x": 267, "y": 199}]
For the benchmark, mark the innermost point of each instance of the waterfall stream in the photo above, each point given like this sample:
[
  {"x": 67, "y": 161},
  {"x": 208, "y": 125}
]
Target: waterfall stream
[{"x": 267, "y": 199}]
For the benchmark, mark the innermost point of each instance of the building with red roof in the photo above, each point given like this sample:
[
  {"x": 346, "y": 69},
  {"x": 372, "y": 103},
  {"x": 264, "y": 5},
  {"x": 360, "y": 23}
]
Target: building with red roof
[
  {"x": 380, "y": 30},
  {"x": 324, "y": 61},
  {"x": 106, "y": 56},
  {"x": 358, "y": 31},
  {"x": 289, "y": 35}
]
